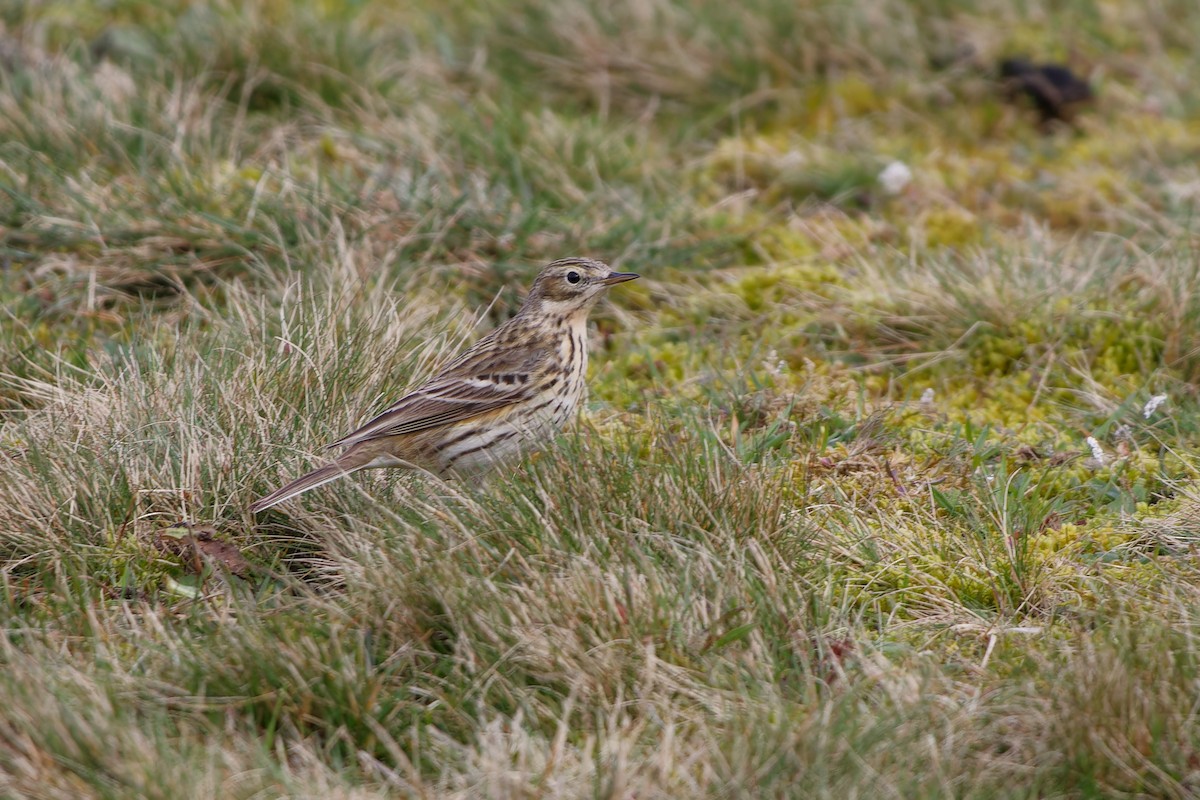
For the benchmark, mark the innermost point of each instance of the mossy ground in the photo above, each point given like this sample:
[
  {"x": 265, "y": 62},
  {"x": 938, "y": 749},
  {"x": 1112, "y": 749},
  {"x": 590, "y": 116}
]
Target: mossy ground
[{"x": 878, "y": 492}]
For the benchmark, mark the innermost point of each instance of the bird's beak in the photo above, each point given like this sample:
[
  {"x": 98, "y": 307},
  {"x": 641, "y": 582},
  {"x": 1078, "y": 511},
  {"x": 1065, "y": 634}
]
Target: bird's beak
[{"x": 618, "y": 277}]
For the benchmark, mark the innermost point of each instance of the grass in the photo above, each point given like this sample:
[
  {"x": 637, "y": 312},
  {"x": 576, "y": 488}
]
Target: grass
[{"x": 870, "y": 498}]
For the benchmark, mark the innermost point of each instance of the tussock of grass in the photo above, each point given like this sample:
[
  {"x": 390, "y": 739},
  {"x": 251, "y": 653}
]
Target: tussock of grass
[{"x": 873, "y": 495}]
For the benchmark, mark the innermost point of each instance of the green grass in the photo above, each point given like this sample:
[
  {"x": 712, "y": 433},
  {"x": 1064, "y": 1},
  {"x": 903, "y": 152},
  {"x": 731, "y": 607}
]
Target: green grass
[{"x": 833, "y": 523}]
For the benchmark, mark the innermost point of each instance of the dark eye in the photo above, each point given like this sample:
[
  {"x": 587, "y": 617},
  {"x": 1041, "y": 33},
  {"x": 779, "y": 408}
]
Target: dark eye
[{"x": 573, "y": 277}]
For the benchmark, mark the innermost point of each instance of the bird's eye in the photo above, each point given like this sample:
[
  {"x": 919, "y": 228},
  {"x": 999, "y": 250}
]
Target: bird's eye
[{"x": 573, "y": 277}]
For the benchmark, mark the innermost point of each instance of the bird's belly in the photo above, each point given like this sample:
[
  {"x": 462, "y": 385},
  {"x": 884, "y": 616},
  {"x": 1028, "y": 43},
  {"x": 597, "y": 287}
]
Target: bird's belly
[
  {"x": 483, "y": 451},
  {"x": 474, "y": 447}
]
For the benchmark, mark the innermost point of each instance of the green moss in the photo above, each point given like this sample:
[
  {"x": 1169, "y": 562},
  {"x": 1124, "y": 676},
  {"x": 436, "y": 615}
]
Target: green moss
[{"x": 770, "y": 288}]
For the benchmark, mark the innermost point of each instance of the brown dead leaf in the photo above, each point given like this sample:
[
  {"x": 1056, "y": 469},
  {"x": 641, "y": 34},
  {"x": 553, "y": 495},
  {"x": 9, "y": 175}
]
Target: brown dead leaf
[
  {"x": 1028, "y": 453},
  {"x": 1058, "y": 459},
  {"x": 196, "y": 543}
]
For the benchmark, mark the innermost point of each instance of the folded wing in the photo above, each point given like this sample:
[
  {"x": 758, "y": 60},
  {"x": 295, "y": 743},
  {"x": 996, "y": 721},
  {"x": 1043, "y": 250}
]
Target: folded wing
[{"x": 445, "y": 401}]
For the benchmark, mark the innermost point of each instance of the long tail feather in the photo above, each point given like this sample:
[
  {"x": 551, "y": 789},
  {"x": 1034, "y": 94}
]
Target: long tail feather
[{"x": 311, "y": 480}]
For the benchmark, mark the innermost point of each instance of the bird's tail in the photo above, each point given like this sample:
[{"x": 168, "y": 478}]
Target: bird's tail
[{"x": 310, "y": 480}]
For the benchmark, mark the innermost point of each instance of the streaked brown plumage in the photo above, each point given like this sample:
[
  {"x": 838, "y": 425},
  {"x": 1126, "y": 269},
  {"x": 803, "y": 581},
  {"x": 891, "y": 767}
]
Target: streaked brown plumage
[{"x": 508, "y": 394}]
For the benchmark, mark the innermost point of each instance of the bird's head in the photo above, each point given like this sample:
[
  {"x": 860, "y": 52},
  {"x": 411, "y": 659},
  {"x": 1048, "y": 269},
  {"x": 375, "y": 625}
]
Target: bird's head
[{"x": 570, "y": 285}]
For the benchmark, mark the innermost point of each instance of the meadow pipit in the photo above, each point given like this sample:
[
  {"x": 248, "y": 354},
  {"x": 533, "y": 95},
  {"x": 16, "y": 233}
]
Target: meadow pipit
[{"x": 506, "y": 395}]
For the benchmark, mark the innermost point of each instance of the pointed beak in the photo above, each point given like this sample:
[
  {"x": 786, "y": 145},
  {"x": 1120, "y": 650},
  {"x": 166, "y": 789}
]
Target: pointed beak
[{"x": 618, "y": 277}]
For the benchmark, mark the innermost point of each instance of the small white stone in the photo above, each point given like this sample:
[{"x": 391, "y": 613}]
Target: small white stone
[{"x": 894, "y": 177}]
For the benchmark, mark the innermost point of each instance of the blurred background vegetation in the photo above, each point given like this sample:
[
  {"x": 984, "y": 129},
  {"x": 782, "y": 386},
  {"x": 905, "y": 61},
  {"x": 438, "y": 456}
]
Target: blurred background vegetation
[{"x": 887, "y": 481}]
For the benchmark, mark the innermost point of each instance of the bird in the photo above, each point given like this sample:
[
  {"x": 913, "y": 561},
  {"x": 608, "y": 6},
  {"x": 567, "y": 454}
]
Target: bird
[
  {"x": 506, "y": 395},
  {"x": 1056, "y": 91}
]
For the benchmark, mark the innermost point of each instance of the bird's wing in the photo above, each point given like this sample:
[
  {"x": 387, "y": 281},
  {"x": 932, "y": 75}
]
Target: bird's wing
[{"x": 467, "y": 389}]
